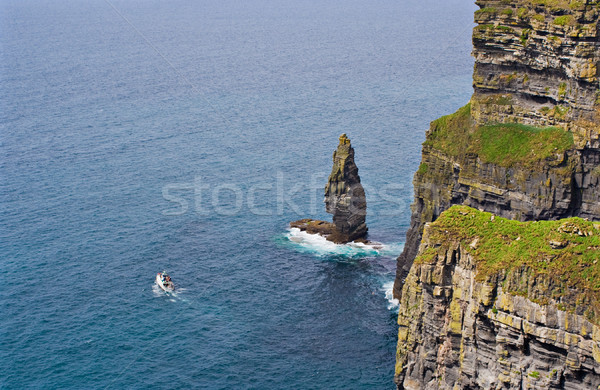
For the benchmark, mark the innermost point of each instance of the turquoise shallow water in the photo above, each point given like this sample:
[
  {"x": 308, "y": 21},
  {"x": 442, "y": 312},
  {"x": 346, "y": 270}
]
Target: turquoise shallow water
[{"x": 184, "y": 135}]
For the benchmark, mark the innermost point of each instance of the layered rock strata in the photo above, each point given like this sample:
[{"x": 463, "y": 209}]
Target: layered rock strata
[
  {"x": 470, "y": 320},
  {"x": 344, "y": 198},
  {"x": 560, "y": 185},
  {"x": 464, "y": 322},
  {"x": 536, "y": 63},
  {"x": 345, "y": 195}
]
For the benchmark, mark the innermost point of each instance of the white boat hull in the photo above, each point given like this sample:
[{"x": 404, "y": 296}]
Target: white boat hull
[{"x": 164, "y": 286}]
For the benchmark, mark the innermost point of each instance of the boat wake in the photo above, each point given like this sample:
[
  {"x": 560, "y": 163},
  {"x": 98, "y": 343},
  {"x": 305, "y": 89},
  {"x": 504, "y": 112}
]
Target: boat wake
[{"x": 173, "y": 296}]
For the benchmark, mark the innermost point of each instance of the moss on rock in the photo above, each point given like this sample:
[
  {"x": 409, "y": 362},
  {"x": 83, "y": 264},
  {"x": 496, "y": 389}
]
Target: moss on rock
[{"x": 558, "y": 260}]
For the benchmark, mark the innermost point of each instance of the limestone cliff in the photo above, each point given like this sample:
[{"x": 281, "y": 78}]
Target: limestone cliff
[
  {"x": 497, "y": 304},
  {"x": 536, "y": 64},
  {"x": 526, "y": 148},
  {"x": 551, "y": 181}
]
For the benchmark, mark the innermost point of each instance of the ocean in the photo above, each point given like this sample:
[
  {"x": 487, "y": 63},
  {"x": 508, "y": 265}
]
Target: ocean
[{"x": 141, "y": 136}]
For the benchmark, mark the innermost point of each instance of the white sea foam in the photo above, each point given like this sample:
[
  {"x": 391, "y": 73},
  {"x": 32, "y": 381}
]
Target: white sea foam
[
  {"x": 319, "y": 246},
  {"x": 158, "y": 292},
  {"x": 388, "y": 288}
]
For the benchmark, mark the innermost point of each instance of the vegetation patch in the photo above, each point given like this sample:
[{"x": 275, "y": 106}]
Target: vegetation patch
[
  {"x": 507, "y": 78},
  {"x": 506, "y": 144},
  {"x": 559, "y": 5},
  {"x": 560, "y": 112},
  {"x": 504, "y": 29},
  {"x": 525, "y": 36},
  {"x": 522, "y": 13},
  {"x": 564, "y": 20},
  {"x": 512, "y": 143},
  {"x": 423, "y": 168},
  {"x": 450, "y": 132},
  {"x": 534, "y": 374},
  {"x": 499, "y": 100},
  {"x": 562, "y": 255},
  {"x": 487, "y": 10},
  {"x": 562, "y": 90},
  {"x": 482, "y": 28},
  {"x": 554, "y": 40}
]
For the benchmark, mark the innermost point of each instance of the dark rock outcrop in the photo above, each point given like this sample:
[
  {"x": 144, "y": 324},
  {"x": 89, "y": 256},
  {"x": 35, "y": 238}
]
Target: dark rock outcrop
[
  {"x": 344, "y": 198},
  {"x": 314, "y": 226}
]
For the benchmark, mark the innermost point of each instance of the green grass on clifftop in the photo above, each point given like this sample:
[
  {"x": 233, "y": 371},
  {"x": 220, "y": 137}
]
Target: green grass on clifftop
[
  {"x": 450, "y": 133},
  {"x": 506, "y": 144},
  {"x": 561, "y": 4},
  {"x": 512, "y": 143},
  {"x": 566, "y": 251}
]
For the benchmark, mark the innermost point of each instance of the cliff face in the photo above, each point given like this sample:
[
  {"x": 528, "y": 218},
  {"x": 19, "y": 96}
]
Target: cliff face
[
  {"x": 536, "y": 64},
  {"x": 526, "y": 148},
  {"x": 559, "y": 185},
  {"x": 514, "y": 322}
]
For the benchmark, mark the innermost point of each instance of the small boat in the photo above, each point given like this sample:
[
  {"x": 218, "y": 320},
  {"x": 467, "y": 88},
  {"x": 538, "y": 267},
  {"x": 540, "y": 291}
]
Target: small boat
[{"x": 164, "y": 281}]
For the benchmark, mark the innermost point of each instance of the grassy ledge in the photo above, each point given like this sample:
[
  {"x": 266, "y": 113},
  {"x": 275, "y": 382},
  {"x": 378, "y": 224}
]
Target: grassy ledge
[
  {"x": 561, "y": 256},
  {"x": 449, "y": 133},
  {"x": 505, "y": 144},
  {"x": 510, "y": 144}
]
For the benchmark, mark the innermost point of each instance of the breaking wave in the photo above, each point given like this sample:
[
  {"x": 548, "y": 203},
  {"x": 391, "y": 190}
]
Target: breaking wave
[
  {"x": 388, "y": 289},
  {"x": 319, "y": 246}
]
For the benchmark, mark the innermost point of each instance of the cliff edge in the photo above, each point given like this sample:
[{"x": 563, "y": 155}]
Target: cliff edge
[{"x": 497, "y": 304}]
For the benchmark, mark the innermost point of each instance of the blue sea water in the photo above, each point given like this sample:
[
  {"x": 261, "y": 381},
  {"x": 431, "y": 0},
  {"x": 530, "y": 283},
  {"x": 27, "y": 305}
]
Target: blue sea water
[{"x": 137, "y": 136}]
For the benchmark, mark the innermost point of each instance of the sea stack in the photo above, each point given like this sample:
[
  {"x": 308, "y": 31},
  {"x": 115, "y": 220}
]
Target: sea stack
[{"x": 344, "y": 198}]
